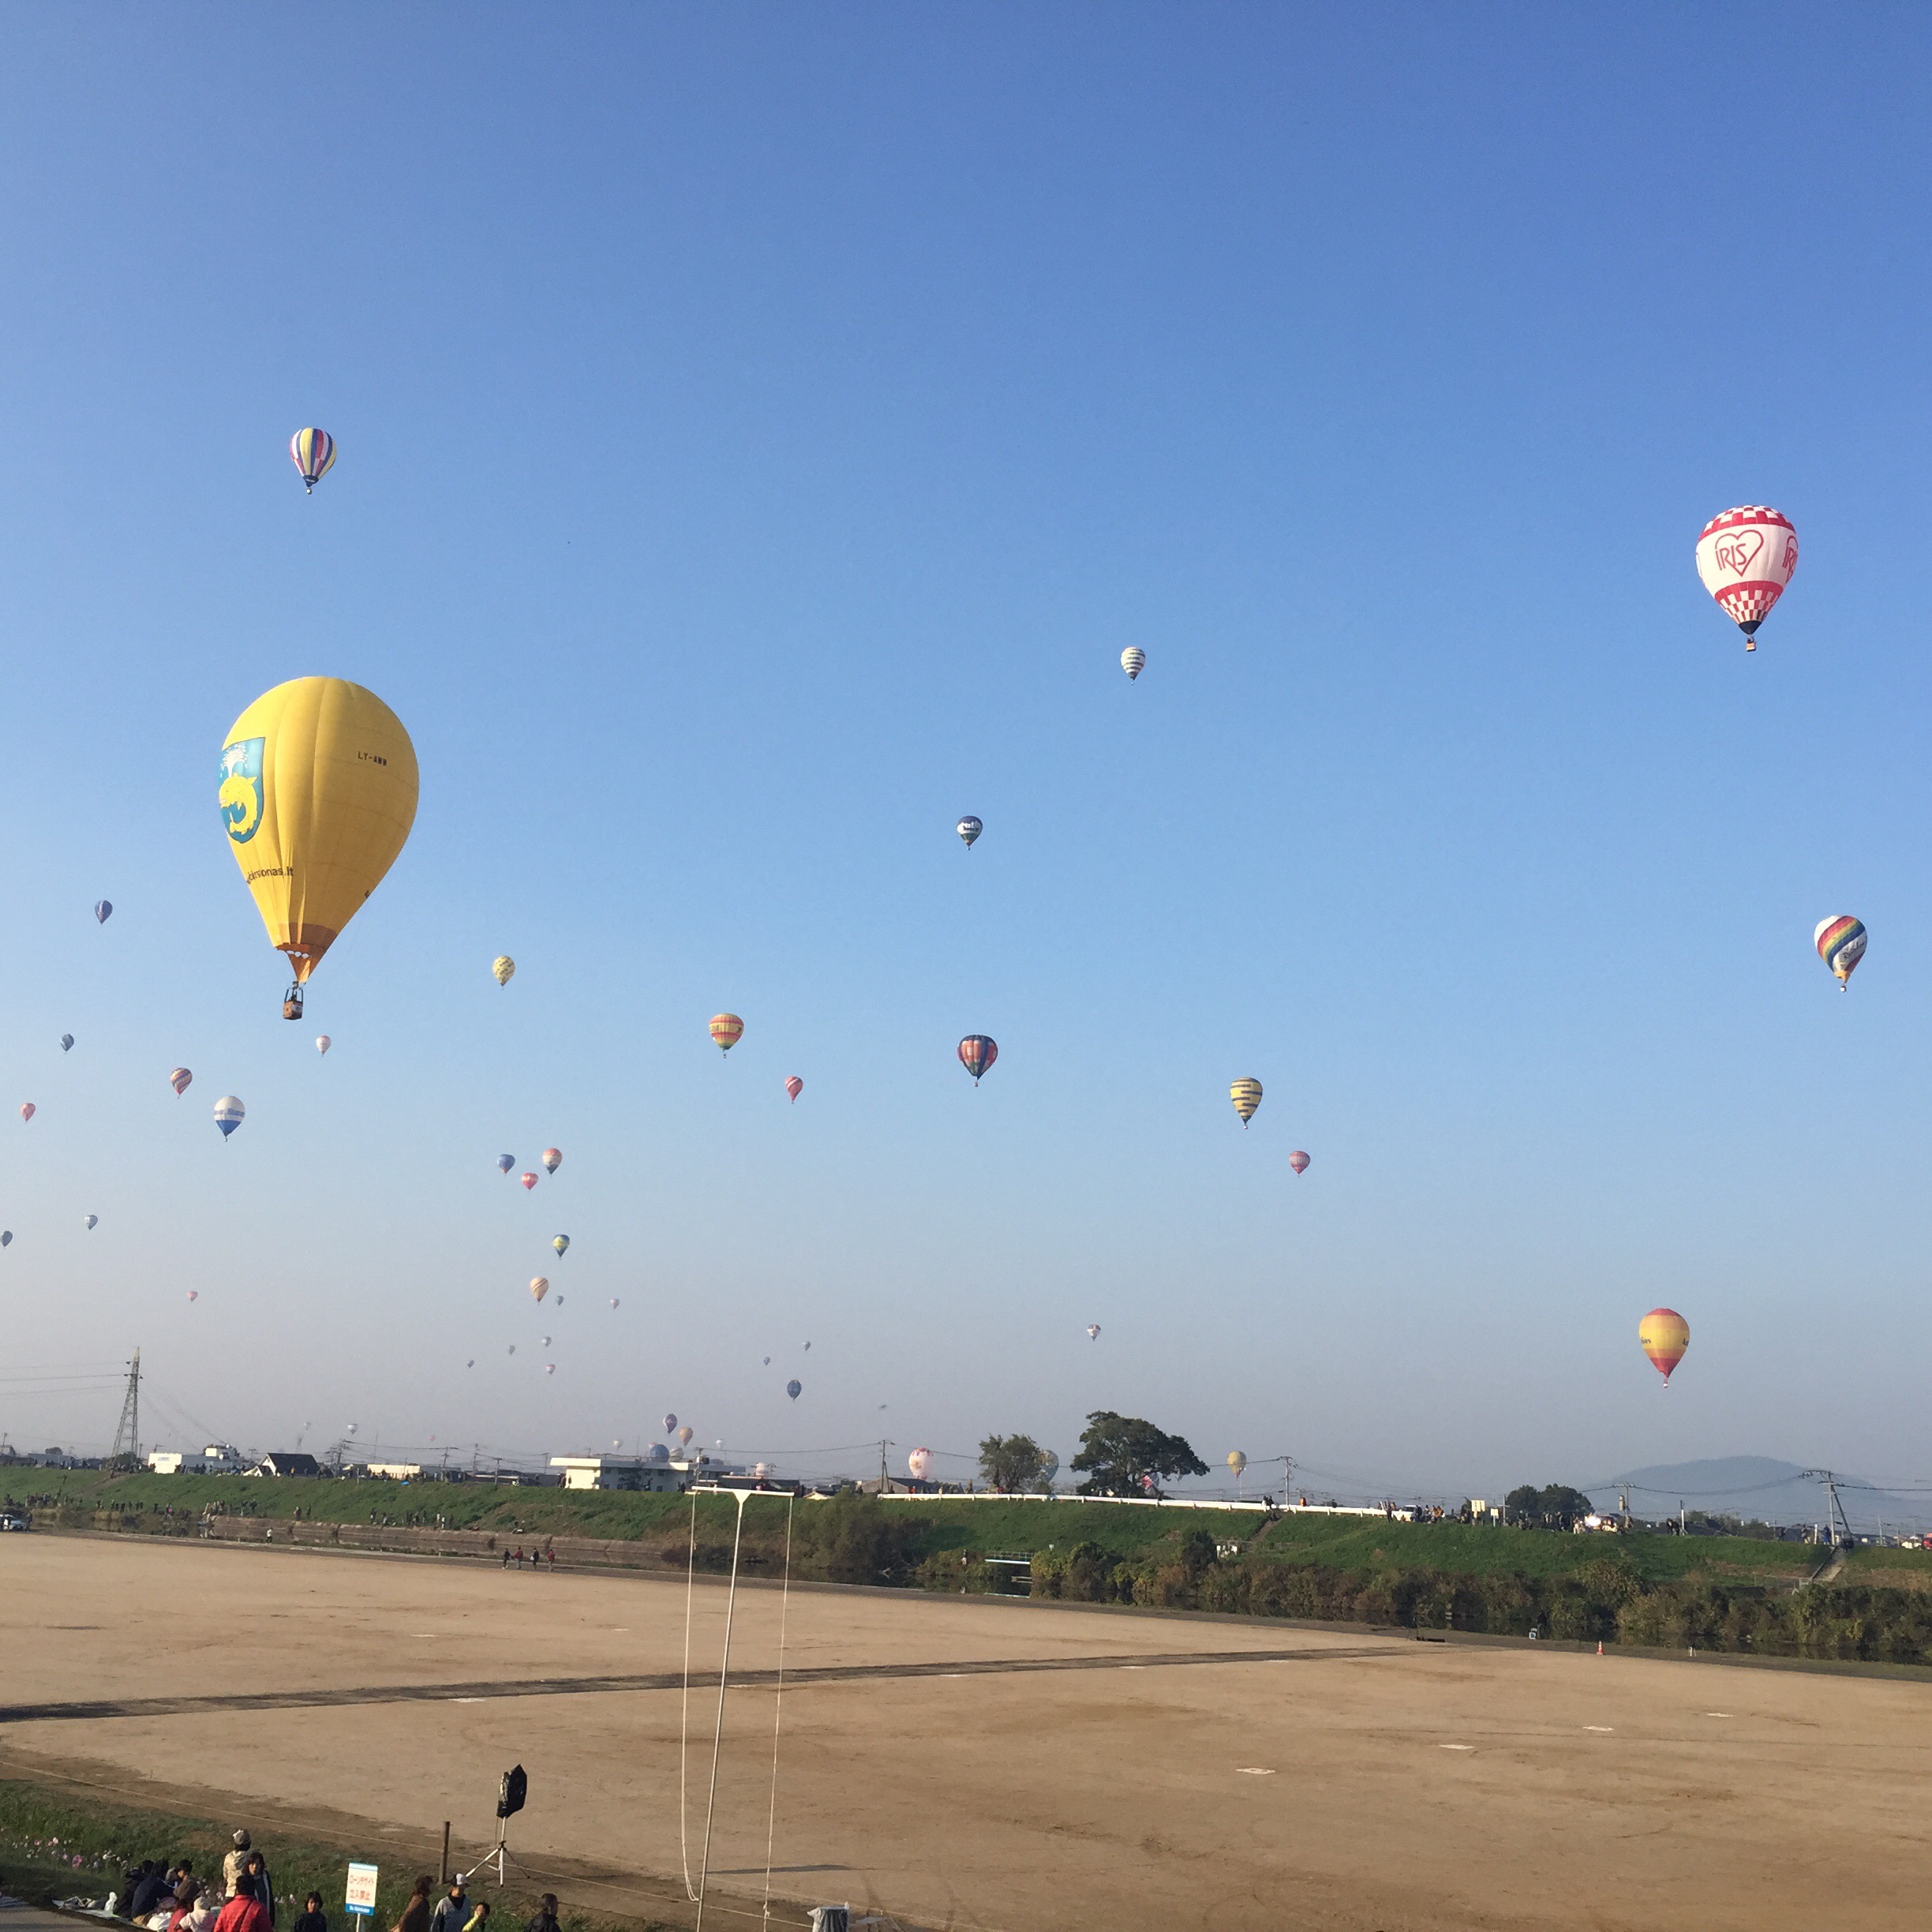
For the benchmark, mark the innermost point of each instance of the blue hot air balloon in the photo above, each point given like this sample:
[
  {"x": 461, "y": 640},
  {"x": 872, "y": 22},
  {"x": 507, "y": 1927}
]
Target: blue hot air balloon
[
  {"x": 505, "y": 1162},
  {"x": 103, "y": 910},
  {"x": 969, "y": 828},
  {"x": 66, "y": 1042},
  {"x": 794, "y": 1390},
  {"x": 229, "y": 1114}
]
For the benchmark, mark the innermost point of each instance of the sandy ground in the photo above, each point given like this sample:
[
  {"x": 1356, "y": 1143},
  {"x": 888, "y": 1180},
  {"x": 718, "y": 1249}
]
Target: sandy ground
[{"x": 1354, "y": 1782}]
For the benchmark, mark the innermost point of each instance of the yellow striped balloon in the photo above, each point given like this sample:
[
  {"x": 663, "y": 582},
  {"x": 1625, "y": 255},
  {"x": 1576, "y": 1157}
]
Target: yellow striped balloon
[
  {"x": 313, "y": 452},
  {"x": 1246, "y": 1095},
  {"x": 726, "y": 1029}
]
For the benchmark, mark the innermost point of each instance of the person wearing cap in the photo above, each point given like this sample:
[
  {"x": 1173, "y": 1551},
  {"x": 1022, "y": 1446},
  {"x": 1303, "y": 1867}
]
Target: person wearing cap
[
  {"x": 232, "y": 1864},
  {"x": 452, "y": 1910}
]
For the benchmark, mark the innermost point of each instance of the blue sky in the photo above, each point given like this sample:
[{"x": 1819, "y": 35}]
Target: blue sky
[{"x": 761, "y": 431}]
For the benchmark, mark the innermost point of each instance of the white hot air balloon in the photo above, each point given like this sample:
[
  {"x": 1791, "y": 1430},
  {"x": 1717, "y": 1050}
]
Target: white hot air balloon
[
  {"x": 323, "y": 1042},
  {"x": 1133, "y": 660},
  {"x": 920, "y": 1463}
]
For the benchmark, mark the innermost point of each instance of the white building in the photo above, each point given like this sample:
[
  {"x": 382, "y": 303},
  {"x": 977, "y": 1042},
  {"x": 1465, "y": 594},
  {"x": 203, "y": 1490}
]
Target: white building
[
  {"x": 216, "y": 1459},
  {"x": 605, "y": 1472}
]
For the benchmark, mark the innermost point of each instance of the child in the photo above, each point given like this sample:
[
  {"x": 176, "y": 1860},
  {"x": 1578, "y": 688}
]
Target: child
[
  {"x": 479, "y": 1919},
  {"x": 311, "y": 1919}
]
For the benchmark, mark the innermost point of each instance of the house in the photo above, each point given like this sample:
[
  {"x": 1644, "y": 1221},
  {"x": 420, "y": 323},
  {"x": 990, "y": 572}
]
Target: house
[
  {"x": 216, "y": 1459},
  {"x": 287, "y": 1462},
  {"x": 604, "y": 1472},
  {"x": 395, "y": 1472}
]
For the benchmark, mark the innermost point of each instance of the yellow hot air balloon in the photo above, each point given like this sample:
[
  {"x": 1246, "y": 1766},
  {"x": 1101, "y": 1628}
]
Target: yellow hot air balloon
[
  {"x": 1246, "y": 1095},
  {"x": 504, "y": 968},
  {"x": 318, "y": 793}
]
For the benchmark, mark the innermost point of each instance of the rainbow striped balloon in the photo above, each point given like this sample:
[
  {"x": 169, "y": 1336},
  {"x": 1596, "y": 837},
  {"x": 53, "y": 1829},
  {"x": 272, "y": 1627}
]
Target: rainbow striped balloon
[
  {"x": 1664, "y": 1335},
  {"x": 727, "y": 1029},
  {"x": 1246, "y": 1095},
  {"x": 1840, "y": 944},
  {"x": 313, "y": 452}
]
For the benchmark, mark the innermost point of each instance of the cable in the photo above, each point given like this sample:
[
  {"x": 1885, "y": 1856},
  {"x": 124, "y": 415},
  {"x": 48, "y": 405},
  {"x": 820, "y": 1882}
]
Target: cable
[
  {"x": 771, "y": 1816},
  {"x": 718, "y": 1735},
  {"x": 690, "y": 1573}
]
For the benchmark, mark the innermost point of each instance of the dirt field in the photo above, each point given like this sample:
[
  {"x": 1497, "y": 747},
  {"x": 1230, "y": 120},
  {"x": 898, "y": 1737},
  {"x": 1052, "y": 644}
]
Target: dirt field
[{"x": 1170, "y": 1772}]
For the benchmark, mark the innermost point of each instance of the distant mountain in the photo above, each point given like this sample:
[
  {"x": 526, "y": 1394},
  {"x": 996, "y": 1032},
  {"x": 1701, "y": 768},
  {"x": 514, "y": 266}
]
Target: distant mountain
[{"x": 1761, "y": 1487}]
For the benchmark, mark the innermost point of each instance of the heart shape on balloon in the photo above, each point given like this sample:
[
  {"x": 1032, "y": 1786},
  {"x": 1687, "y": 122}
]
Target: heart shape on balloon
[{"x": 1740, "y": 550}]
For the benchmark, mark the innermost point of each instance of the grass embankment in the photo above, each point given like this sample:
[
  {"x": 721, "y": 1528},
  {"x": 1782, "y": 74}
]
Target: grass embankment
[{"x": 57, "y": 1843}]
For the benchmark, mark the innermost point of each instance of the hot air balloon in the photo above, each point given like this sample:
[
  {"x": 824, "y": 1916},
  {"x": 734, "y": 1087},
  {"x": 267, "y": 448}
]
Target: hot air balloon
[
  {"x": 726, "y": 1029},
  {"x": 1133, "y": 660},
  {"x": 794, "y": 1390},
  {"x": 323, "y": 1042},
  {"x": 6, "y": 1238},
  {"x": 919, "y": 1463},
  {"x": 1093, "y": 1331},
  {"x": 1298, "y": 1161},
  {"x": 1237, "y": 1461},
  {"x": 559, "y": 1298},
  {"x": 180, "y": 1080},
  {"x": 229, "y": 1114},
  {"x": 969, "y": 828},
  {"x": 318, "y": 793},
  {"x": 1665, "y": 1334},
  {"x": 684, "y": 1436},
  {"x": 794, "y": 1086},
  {"x": 27, "y": 1109},
  {"x": 1246, "y": 1095},
  {"x": 504, "y": 968},
  {"x": 194, "y": 1294},
  {"x": 1146, "y": 1483},
  {"x": 613, "y": 1301},
  {"x": 561, "y": 1243},
  {"x": 976, "y": 1054},
  {"x": 1050, "y": 1468},
  {"x": 546, "y": 1340},
  {"x": 512, "y": 1348},
  {"x": 470, "y": 1363},
  {"x": 552, "y": 1160},
  {"x": 767, "y": 1361},
  {"x": 529, "y": 1180},
  {"x": 808, "y": 1348},
  {"x": 103, "y": 910},
  {"x": 353, "y": 1426},
  {"x": 1840, "y": 944},
  {"x": 66, "y": 1042},
  {"x": 91, "y": 1221},
  {"x": 539, "y": 1287},
  {"x": 670, "y": 1425},
  {"x": 313, "y": 452},
  {"x": 549, "y": 1368},
  {"x": 1746, "y": 558},
  {"x": 505, "y": 1162}
]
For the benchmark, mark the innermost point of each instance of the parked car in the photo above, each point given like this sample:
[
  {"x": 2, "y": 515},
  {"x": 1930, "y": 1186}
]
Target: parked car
[{"x": 12, "y": 1519}]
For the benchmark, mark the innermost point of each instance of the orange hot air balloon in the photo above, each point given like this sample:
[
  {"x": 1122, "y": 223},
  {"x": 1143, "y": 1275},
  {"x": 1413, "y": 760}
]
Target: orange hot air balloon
[
  {"x": 529, "y": 1180},
  {"x": 1665, "y": 1334},
  {"x": 726, "y": 1029}
]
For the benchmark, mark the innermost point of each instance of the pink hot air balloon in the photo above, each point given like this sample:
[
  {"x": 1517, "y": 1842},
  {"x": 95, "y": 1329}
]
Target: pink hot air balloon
[
  {"x": 180, "y": 1079},
  {"x": 1298, "y": 1161},
  {"x": 194, "y": 1294},
  {"x": 552, "y": 1159},
  {"x": 529, "y": 1180},
  {"x": 27, "y": 1109},
  {"x": 919, "y": 1462},
  {"x": 794, "y": 1086}
]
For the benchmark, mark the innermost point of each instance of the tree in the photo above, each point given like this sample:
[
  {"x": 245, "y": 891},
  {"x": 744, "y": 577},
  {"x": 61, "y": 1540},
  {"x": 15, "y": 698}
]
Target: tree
[
  {"x": 1556, "y": 1505},
  {"x": 1011, "y": 1463},
  {"x": 1117, "y": 1451}
]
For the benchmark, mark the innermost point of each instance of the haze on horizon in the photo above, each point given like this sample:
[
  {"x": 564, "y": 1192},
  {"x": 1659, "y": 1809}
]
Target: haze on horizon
[{"x": 759, "y": 436}]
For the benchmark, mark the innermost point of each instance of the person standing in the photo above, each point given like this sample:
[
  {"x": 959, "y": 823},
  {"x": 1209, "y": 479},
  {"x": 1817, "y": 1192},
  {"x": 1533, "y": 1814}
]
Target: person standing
[
  {"x": 254, "y": 1881},
  {"x": 233, "y": 1863},
  {"x": 451, "y": 1912},
  {"x": 243, "y": 1913},
  {"x": 311, "y": 1919},
  {"x": 416, "y": 1913},
  {"x": 546, "y": 1918}
]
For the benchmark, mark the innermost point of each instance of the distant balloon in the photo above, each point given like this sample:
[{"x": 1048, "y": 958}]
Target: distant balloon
[
  {"x": 613, "y": 1301},
  {"x": 353, "y": 1426},
  {"x": 323, "y": 1042},
  {"x": 560, "y": 1299},
  {"x": 1133, "y": 660},
  {"x": 1236, "y": 1461},
  {"x": 1246, "y": 1095},
  {"x": 794, "y": 1086},
  {"x": 976, "y": 1054},
  {"x": 546, "y": 1340},
  {"x": 549, "y": 1368},
  {"x": 552, "y": 1160},
  {"x": 66, "y": 1042},
  {"x": 1146, "y": 1483},
  {"x": 103, "y": 910},
  {"x": 794, "y": 1390},
  {"x": 684, "y": 1435},
  {"x": 1298, "y": 1161},
  {"x": 670, "y": 1425},
  {"x": 91, "y": 1221},
  {"x": 194, "y": 1294},
  {"x": 808, "y": 1348},
  {"x": 727, "y": 1029},
  {"x": 505, "y": 1162},
  {"x": 767, "y": 1361},
  {"x": 1664, "y": 1335},
  {"x": 1746, "y": 558},
  {"x": 529, "y": 1180},
  {"x": 229, "y": 1114},
  {"x": 1840, "y": 944},
  {"x": 561, "y": 1243},
  {"x": 539, "y": 1287},
  {"x": 1093, "y": 1331},
  {"x": 512, "y": 1348},
  {"x": 1050, "y": 1468},
  {"x": 504, "y": 968},
  {"x": 312, "y": 452},
  {"x": 27, "y": 1109},
  {"x": 969, "y": 828},
  {"x": 6, "y": 1238},
  {"x": 919, "y": 1463},
  {"x": 180, "y": 1080},
  {"x": 470, "y": 1363}
]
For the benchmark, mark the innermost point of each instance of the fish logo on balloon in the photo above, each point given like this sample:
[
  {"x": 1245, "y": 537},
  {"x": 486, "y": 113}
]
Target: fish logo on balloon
[{"x": 241, "y": 794}]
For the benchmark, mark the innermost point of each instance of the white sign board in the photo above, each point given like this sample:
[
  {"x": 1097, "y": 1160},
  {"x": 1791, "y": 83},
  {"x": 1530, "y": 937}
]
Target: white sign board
[{"x": 361, "y": 1898}]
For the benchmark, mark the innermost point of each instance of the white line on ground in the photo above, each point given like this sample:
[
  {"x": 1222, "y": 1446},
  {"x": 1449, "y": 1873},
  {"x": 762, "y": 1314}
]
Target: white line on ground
[{"x": 1255, "y": 1770}]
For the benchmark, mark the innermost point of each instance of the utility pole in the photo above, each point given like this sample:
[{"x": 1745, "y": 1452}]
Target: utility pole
[
  {"x": 1835, "y": 1515},
  {"x": 127, "y": 1435}
]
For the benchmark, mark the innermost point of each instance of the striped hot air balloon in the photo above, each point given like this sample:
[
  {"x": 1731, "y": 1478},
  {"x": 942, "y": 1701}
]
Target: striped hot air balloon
[
  {"x": 180, "y": 1080},
  {"x": 539, "y": 1287},
  {"x": 1246, "y": 1095},
  {"x": 1746, "y": 558},
  {"x": 1298, "y": 1161},
  {"x": 1665, "y": 1334},
  {"x": 727, "y": 1029},
  {"x": 794, "y": 1086},
  {"x": 1840, "y": 944},
  {"x": 976, "y": 1054},
  {"x": 313, "y": 452},
  {"x": 1133, "y": 660}
]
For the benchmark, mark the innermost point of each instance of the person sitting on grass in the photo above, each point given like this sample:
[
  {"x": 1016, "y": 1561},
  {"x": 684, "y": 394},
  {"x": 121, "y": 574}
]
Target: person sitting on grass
[
  {"x": 154, "y": 1876},
  {"x": 311, "y": 1919},
  {"x": 546, "y": 1918}
]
